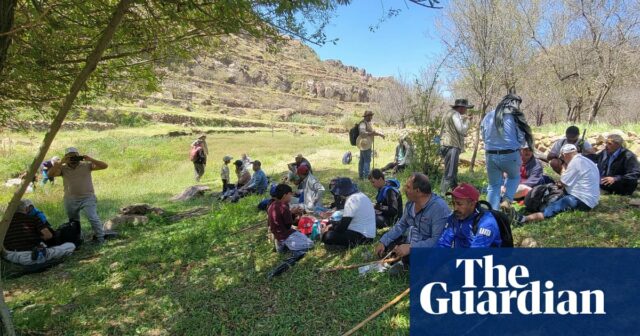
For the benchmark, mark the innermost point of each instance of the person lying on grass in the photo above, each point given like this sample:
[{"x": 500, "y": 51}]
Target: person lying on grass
[
  {"x": 358, "y": 223},
  {"x": 422, "y": 221},
  {"x": 280, "y": 219},
  {"x": 581, "y": 184},
  {"x": 458, "y": 230}
]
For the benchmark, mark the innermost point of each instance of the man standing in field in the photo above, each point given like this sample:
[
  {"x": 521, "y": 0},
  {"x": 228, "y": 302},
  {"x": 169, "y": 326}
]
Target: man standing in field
[
  {"x": 455, "y": 124},
  {"x": 75, "y": 170},
  {"x": 198, "y": 155},
  {"x": 365, "y": 144}
]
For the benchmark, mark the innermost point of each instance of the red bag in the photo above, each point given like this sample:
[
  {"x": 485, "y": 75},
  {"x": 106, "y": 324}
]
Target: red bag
[
  {"x": 194, "y": 154},
  {"x": 305, "y": 224}
]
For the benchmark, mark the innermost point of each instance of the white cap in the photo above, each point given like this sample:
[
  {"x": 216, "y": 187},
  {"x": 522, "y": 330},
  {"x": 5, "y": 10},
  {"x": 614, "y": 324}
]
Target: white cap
[
  {"x": 24, "y": 204},
  {"x": 568, "y": 148},
  {"x": 55, "y": 158},
  {"x": 70, "y": 150}
]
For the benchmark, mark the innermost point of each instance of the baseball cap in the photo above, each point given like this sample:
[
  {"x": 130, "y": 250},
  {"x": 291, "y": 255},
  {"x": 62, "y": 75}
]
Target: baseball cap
[
  {"x": 465, "y": 190},
  {"x": 70, "y": 150},
  {"x": 568, "y": 148},
  {"x": 302, "y": 170},
  {"x": 227, "y": 158}
]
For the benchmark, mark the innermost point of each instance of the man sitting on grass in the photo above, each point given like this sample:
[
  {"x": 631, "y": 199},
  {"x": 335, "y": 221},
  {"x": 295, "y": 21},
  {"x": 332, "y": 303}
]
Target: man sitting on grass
[
  {"x": 458, "y": 232},
  {"x": 388, "y": 205},
  {"x": 580, "y": 181},
  {"x": 358, "y": 223},
  {"x": 422, "y": 221},
  {"x": 258, "y": 183},
  {"x": 25, "y": 240},
  {"x": 311, "y": 188},
  {"x": 618, "y": 166},
  {"x": 280, "y": 220}
]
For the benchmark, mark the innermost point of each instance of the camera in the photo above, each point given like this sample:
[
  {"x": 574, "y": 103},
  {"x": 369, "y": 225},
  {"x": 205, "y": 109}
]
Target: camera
[{"x": 77, "y": 158}]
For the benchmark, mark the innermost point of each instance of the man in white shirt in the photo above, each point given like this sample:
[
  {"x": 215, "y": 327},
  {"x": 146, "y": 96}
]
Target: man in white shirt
[
  {"x": 358, "y": 223},
  {"x": 581, "y": 181}
]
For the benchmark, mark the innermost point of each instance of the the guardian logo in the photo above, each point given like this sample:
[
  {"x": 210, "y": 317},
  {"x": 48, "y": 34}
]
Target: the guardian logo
[{"x": 511, "y": 292}]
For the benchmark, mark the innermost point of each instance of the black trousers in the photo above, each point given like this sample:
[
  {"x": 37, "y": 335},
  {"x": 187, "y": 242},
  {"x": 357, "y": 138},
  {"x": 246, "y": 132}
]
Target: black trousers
[
  {"x": 622, "y": 187},
  {"x": 346, "y": 238}
]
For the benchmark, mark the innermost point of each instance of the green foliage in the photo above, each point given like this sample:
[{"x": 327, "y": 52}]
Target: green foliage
[
  {"x": 426, "y": 157},
  {"x": 50, "y": 42}
]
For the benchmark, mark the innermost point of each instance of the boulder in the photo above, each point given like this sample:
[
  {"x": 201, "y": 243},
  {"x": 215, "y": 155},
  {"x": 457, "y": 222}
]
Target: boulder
[
  {"x": 191, "y": 193},
  {"x": 119, "y": 220},
  {"x": 140, "y": 209}
]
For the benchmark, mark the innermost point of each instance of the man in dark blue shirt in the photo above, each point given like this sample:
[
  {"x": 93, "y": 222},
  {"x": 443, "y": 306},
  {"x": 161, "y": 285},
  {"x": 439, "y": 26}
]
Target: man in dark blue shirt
[{"x": 458, "y": 232}]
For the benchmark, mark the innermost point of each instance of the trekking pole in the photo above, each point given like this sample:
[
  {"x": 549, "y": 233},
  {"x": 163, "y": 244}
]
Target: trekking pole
[
  {"x": 386, "y": 259},
  {"x": 373, "y": 152},
  {"x": 378, "y": 312}
]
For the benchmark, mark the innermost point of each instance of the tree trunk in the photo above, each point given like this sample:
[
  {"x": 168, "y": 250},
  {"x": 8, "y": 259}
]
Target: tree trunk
[
  {"x": 92, "y": 62},
  {"x": 476, "y": 142},
  {"x": 7, "y": 13}
]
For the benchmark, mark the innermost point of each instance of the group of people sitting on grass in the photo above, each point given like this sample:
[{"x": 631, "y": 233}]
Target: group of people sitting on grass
[{"x": 425, "y": 221}]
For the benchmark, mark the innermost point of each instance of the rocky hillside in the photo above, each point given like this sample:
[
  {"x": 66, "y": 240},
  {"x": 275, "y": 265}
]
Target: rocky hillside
[{"x": 243, "y": 80}]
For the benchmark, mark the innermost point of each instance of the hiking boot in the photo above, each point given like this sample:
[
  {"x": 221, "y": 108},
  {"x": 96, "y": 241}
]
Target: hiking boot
[{"x": 515, "y": 218}]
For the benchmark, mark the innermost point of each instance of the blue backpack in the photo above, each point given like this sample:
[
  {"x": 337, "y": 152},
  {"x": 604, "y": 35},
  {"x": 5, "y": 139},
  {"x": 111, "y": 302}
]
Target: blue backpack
[{"x": 392, "y": 184}]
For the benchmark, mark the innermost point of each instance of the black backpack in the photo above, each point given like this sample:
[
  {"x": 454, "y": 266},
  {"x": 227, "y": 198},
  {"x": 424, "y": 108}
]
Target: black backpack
[
  {"x": 504, "y": 223},
  {"x": 354, "y": 132},
  {"x": 540, "y": 196}
]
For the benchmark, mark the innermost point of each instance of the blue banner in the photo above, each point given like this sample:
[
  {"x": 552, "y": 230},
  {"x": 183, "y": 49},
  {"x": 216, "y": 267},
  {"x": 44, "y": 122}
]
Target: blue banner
[{"x": 585, "y": 291}]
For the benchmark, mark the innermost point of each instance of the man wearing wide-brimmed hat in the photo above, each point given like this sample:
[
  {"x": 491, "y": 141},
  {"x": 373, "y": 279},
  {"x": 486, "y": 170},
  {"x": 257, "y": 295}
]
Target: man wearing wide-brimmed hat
[
  {"x": 364, "y": 142},
  {"x": 455, "y": 124}
]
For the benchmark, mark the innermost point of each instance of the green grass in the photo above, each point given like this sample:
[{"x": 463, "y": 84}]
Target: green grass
[{"x": 196, "y": 277}]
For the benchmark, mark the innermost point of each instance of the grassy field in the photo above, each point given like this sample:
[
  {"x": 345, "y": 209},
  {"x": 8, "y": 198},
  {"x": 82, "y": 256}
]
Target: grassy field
[{"x": 201, "y": 277}]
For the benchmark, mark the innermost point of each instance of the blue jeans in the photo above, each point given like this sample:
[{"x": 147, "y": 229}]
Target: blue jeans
[
  {"x": 497, "y": 165},
  {"x": 565, "y": 203},
  {"x": 90, "y": 206},
  {"x": 364, "y": 165}
]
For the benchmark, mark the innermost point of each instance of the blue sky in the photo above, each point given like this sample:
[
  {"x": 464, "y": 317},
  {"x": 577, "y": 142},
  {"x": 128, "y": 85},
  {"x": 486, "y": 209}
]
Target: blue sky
[{"x": 401, "y": 45}]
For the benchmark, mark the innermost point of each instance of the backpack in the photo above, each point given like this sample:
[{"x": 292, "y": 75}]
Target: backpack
[
  {"x": 194, "y": 154},
  {"x": 346, "y": 158},
  {"x": 354, "y": 133},
  {"x": 69, "y": 232},
  {"x": 540, "y": 196},
  {"x": 504, "y": 223},
  {"x": 305, "y": 225}
]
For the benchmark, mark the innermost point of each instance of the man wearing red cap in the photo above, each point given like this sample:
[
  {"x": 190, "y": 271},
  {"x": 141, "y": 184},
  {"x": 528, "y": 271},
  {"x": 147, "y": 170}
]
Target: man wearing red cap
[
  {"x": 459, "y": 232},
  {"x": 312, "y": 188}
]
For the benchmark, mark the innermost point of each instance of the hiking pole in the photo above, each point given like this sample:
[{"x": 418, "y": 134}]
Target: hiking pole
[
  {"x": 373, "y": 151},
  {"x": 386, "y": 259},
  {"x": 378, "y": 312}
]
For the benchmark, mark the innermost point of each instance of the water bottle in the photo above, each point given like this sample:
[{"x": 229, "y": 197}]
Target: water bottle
[{"x": 39, "y": 255}]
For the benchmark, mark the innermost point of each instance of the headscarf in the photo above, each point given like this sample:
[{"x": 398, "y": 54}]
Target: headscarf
[{"x": 510, "y": 104}]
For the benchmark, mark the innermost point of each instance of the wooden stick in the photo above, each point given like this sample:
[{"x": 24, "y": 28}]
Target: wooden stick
[
  {"x": 247, "y": 228},
  {"x": 341, "y": 268},
  {"x": 378, "y": 312}
]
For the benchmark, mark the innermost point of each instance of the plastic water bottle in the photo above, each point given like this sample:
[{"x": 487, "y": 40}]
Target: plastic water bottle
[{"x": 41, "y": 252}]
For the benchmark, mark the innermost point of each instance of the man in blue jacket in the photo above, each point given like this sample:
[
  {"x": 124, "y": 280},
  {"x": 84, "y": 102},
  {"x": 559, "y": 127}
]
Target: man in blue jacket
[
  {"x": 458, "y": 231},
  {"x": 422, "y": 220}
]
